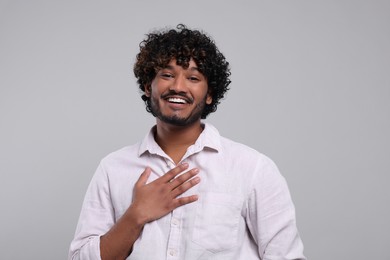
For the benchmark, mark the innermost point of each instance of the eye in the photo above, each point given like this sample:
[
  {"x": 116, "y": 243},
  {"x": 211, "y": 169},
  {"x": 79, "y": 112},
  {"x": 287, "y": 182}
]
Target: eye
[
  {"x": 166, "y": 75},
  {"x": 193, "y": 78}
]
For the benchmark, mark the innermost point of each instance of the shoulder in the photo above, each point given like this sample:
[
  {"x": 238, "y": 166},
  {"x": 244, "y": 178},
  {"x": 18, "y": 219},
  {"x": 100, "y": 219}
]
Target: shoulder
[
  {"x": 243, "y": 152},
  {"x": 258, "y": 171},
  {"x": 234, "y": 152},
  {"x": 123, "y": 154},
  {"x": 258, "y": 167}
]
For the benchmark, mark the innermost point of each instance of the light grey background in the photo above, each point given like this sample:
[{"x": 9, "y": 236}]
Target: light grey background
[{"x": 310, "y": 88}]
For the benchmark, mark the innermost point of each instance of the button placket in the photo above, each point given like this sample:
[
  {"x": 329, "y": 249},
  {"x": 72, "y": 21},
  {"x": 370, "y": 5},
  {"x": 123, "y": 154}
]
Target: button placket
[
  {"x": 174, "y": 235},
  {"x": 170, "y": 165},
  {"x": 172, "y": 252}
]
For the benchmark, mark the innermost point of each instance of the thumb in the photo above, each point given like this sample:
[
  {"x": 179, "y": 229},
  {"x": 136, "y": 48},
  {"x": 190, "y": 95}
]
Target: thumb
[{"x": 144, "y": 177}]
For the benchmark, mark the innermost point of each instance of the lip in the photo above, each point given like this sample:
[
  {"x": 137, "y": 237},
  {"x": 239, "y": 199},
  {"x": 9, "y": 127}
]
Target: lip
[
  {"x": 186, "y": 99},
  {"x": 176, "y": 106},
  {"x": 177, "y": 100}
]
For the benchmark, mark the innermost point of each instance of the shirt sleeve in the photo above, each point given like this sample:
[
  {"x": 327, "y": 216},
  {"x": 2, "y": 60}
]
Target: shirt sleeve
[
  {"x": 96, "y": 218},
  {"x": 271, "y": 215}
]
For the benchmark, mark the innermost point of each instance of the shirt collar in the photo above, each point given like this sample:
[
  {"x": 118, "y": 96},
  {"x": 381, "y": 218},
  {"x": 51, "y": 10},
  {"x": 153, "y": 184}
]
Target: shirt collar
[{"x": 209, "y": 138}]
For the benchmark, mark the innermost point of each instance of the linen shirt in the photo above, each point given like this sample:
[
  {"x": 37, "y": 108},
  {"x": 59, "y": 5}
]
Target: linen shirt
[{"x": 244, "y": 210}]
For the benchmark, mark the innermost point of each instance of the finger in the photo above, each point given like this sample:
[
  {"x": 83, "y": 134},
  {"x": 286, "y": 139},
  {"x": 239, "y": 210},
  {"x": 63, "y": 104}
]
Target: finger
[
  {"x": 144, "y": 177},
  {"x": 185, "y": 186},
  {"x": 174, "y": 172},
  {"x": 183, "y": 178},
  {"x": 184, "y": 200}
]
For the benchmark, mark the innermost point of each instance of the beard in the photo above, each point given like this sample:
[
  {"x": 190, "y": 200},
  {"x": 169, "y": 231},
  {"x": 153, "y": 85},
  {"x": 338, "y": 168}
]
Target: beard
[{"x": 194, "y": 116}]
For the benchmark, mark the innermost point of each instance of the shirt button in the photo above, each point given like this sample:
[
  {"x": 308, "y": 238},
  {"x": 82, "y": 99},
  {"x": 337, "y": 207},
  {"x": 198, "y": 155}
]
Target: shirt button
[
  {"x": 172, "y": 252},
  {"x": 175, "y": 222}
]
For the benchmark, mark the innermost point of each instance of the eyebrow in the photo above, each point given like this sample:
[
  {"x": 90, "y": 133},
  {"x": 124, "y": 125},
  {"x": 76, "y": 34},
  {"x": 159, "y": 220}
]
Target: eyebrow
[{"x": 170, "y": 67}]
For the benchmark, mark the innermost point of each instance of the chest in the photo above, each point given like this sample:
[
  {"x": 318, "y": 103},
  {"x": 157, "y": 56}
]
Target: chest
[{"x": 219, "y": 176}]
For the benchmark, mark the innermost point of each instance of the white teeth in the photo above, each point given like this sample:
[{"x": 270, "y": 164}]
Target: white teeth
[{"x": 177, "y": 100}]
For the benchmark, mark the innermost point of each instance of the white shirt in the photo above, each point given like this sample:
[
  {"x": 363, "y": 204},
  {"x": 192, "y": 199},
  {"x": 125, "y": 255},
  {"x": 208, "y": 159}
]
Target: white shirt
[{"x": 244, "y": 211}]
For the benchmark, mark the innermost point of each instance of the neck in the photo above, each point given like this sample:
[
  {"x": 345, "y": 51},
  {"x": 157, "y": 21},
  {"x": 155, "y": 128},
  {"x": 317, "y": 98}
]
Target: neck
[{"x": 175, "y": 140}]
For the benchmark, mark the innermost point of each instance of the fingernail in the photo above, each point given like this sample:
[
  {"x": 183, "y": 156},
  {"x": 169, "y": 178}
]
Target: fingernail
[{"x": 184, "y": 164}]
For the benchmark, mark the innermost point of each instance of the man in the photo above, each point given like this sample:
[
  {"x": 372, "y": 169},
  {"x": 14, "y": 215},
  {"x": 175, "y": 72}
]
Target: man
[{"x": 185, "y": 192}]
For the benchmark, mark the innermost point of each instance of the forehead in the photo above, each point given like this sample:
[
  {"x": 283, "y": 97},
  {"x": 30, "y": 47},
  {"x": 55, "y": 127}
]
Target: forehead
[{"x": 192, "y": 66}]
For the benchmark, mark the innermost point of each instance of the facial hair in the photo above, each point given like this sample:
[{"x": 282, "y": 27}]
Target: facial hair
[{"x": 194, "y": 116}]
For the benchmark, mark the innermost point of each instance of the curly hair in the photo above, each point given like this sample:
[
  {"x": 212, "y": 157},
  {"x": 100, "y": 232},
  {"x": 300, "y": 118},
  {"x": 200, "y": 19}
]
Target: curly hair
[{"x": 183, "y": 44}]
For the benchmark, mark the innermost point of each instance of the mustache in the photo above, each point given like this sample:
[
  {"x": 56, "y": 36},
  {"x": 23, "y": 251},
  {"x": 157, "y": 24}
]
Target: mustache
[{"x": 172, "y": 93}]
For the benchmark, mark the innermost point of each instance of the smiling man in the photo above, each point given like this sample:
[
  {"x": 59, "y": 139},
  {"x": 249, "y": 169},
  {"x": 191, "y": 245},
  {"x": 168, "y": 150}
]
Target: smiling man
[
  {"x": 174, "y": 104},
  {"x": 185, "y": 192}
]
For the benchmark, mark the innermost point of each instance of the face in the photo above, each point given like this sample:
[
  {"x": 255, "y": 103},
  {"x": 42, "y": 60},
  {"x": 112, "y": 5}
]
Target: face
[{"x": 177, "y": 95}]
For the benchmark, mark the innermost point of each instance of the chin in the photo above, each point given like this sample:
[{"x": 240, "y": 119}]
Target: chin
[{"x": 178, "y": 121}]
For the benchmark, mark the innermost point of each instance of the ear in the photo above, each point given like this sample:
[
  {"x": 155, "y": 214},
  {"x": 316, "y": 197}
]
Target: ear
[
  {"x": 148, "y": 90},
  {"x": 209, "y": 98}
]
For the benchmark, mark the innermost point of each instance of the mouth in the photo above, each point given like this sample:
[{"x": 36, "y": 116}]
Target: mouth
[{"x": 177, "y": 100}]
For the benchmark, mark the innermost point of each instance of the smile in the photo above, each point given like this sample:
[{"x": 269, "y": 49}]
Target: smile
[{"x": 177, "y": 100}]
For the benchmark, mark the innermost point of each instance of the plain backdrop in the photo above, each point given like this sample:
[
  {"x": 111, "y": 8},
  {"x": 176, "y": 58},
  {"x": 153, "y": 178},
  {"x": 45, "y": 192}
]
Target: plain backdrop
[{"x": 310, "y": 89}]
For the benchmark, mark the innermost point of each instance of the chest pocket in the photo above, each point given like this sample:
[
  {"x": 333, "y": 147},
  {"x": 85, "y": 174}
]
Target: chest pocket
[{"x": 217, "y": 219}]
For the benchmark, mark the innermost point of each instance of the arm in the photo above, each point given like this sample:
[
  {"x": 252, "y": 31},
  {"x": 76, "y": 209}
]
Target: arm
[
  {"x": 151, "y": 201},
  {"x": 271, "y": 216},
  {"x": 100, "y": 236}
]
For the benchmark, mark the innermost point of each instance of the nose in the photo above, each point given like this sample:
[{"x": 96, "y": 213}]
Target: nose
[{"x": 179, "y": 84}]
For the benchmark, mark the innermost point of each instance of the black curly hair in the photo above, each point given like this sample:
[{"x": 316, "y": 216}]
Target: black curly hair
[{"x": 183, "y": 44}]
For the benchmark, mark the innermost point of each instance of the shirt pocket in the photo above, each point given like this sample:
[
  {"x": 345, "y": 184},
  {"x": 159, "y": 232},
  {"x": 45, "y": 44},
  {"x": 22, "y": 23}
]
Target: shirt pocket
[{"x": 217, "y": 220}]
